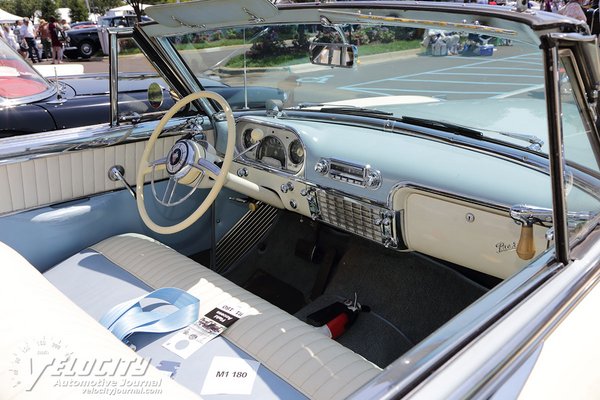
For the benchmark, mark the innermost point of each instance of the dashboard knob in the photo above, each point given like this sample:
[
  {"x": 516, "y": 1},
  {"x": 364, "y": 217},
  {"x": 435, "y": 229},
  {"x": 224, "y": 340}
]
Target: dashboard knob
[
  {"x": 373, "y": 179},
  {"x": 322, "y": 167},
  {"x": 287, "y": 187}
]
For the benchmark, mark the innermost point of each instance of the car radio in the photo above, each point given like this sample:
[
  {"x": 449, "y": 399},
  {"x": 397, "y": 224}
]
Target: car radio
[{"x": 359, "y": 175}]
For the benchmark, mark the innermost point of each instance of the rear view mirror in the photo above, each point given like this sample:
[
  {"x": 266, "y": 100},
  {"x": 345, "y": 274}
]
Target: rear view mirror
[{"x": 333, "y": 54}]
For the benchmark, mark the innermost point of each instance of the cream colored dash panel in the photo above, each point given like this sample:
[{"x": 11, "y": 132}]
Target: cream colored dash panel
[
  {"x": 483, "y": 240},
  {"x": 66, "y": 176}
]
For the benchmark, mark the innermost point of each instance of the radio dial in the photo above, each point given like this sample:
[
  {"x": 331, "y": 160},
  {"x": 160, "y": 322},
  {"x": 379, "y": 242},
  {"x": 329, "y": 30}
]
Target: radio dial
[
  {"x": 373, "y": 179},
  {"x": 322, "y": 167}
]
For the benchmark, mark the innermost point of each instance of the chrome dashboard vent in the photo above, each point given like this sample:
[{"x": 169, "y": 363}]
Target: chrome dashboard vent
[{"x": 366, "y": 220}]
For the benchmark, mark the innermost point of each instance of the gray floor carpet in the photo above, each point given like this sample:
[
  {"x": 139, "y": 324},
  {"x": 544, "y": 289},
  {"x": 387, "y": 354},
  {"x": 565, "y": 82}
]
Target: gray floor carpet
[{"x": 409, "y": 295}]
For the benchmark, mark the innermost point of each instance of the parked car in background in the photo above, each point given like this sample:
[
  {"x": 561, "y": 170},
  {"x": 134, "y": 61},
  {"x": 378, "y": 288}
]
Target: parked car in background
[
  {"x": 84, "y": 42},
  {"x": 395, "y": 226},
  {"x": 83, "y": 24},
  {"x": 30, "y": 103}
]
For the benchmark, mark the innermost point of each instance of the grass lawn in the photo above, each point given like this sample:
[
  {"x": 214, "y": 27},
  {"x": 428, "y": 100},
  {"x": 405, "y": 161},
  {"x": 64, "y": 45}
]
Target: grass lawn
[
  {"x": 206, "y": 45},
  {"x": 292, "y": 59}
]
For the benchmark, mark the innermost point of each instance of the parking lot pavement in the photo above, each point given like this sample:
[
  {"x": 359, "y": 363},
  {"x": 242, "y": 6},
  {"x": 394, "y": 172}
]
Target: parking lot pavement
[{"x": 129, "y": 63}]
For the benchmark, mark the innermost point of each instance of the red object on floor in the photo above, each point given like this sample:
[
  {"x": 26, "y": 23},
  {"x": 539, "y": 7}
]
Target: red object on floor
[{"x": 337, "y": 326}]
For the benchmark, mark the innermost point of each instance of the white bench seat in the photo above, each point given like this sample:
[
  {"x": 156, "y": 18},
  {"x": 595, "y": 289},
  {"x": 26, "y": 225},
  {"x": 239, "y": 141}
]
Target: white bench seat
[{"x": 308, "y": 361}]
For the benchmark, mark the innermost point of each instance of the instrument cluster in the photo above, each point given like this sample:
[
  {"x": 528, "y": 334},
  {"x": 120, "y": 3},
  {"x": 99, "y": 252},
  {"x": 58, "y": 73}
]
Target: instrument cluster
[{"x": 271, "y": 146}]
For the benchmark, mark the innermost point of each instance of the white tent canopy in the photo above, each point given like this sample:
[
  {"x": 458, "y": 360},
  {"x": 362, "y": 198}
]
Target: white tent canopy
[
  {"x": 123, "y": 10},
  {"x": 8, "y": 18}
]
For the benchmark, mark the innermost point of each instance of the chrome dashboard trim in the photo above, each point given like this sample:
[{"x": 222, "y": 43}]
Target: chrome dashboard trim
[
  {"x": 508, "y": 152},
  {"x": 240, "y": 158},
  {"x": 17, "y": 149},
  {"x": 453, "y": 195}
]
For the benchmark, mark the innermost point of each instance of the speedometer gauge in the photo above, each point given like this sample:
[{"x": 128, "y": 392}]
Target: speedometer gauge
[
  {"x": 296, "y": 152},
  {"x": 252, "y": 136},
  {"x": 271, "y": 151}
]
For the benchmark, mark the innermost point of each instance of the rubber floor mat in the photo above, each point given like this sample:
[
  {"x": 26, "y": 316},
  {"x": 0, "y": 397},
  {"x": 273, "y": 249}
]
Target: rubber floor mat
[{"x": 275, "y": 291}]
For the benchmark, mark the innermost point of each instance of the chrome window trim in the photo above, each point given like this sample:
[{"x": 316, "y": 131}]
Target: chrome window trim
[
  {"x": 556, "y": 297},
  {"x": 415, "y": 366},
  {"x": 586, "y": 279},
  {"x": 17, "y": 149}
]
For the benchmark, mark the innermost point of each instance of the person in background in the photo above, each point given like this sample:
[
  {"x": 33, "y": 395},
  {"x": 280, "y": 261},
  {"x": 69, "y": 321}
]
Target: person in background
[
  {"x": 10, "y": 37},
  {"x": 573, "y": 9},
  {"x": 17, "y": 30},
  {"x": 546, "y": 5},
  {"x": 44, "y": 36},
  {"x": 57, "y": 49},
  {"x": 28, "y": 33},
  {"x": 64, "y": 25}
]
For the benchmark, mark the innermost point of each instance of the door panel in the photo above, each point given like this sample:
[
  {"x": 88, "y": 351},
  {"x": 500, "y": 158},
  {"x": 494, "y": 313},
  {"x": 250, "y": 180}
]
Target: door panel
[
  {"x": 67, "y": 176},
  {"x": 48, "y": 235}
]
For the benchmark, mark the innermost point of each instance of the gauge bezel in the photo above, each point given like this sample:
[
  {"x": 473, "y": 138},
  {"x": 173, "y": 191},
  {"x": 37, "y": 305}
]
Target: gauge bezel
[
  {"x": 283, "y": 134},
  {"x": 292, "y": 154}
]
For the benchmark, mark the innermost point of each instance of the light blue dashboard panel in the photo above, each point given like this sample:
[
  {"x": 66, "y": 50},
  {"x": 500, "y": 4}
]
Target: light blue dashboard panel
[{"x": 405, "y": 160}]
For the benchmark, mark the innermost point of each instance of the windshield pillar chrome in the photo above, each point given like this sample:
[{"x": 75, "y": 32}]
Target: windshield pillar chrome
[
  {"x": 113, "y": 74},
  {"x": 556, "y": 148}
]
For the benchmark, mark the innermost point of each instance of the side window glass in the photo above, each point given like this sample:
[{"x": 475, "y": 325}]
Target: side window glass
[
  {"x": 576, "y": 133},
  {"x": 582, "y": 198},
  {"x": 136, "y": 74}
]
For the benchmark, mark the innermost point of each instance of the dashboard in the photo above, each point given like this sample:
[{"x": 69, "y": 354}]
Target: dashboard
[{"x": 405, "y": 192}]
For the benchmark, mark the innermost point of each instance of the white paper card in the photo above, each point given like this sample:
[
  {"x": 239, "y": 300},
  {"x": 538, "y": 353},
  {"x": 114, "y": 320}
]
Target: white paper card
[
  {"x": 212, "y": 324},
  {"x": 230, "y": 375}
]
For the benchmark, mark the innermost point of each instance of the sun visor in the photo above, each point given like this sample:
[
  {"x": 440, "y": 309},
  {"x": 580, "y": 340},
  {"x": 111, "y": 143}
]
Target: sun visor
[{"x": 199, "y": 13}]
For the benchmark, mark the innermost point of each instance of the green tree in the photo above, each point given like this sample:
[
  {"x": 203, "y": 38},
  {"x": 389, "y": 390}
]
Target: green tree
[
  {"x": 101, "y": 6},
  {"x": 48, "y": 9},
  {"x": 78, "y": 10},
  {"x": 8, "y": 6},
  {"x": 26, "y": 8}
]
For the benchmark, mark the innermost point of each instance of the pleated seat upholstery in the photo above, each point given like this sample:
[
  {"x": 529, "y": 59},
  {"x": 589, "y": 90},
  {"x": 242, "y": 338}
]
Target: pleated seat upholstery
[{"x": 315, "y": 365}]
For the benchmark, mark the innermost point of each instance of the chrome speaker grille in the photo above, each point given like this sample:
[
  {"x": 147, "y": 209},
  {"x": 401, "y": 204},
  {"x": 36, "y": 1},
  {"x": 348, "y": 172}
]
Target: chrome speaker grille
[
  {"x": 249, "y": 230},
  {"x": 366, "y": 220}
]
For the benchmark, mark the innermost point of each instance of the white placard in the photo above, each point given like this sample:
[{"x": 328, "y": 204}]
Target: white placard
[
  {"x": 187, "y": 341},
  {"x": 230, "y": 375}
]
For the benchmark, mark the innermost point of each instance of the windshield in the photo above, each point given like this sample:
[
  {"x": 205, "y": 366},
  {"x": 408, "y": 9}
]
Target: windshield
[
  {"x": 17, "y": 78},
  {"x": 491, "y": 84}
]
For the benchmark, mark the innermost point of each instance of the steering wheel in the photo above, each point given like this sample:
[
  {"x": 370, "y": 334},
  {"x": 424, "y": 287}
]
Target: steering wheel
[{"x": 186, "y": 163}]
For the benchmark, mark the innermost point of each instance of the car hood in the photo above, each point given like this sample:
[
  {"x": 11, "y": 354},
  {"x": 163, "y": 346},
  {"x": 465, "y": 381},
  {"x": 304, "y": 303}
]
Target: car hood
[{"x": 96, "y": 84}]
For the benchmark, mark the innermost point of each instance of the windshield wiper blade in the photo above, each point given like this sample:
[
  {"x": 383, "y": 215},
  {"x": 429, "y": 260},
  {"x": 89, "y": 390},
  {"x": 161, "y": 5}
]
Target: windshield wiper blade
[
  {"x": 443, "y": 126},
  {"x": 535, "y": 142},
  {"x": 354, "y": 110}
]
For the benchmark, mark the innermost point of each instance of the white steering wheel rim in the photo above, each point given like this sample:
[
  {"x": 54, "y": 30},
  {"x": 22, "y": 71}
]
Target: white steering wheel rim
[{"x": 144, "y": 167}]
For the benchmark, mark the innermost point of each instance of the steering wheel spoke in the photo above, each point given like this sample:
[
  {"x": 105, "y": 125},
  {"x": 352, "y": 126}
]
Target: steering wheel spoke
[
  {"x": 170, "y": 192},
  {"x": 155, "y": 166},
  {"x": 207, "y": 167}
]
